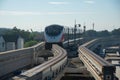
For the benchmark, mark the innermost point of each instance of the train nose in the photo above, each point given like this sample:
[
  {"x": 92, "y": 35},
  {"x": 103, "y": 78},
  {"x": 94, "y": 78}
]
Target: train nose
[{"x": 52, "y": 37}]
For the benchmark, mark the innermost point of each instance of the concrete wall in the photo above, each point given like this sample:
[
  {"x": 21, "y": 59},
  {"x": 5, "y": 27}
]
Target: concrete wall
[
  {"x": 13, "y": 60},
  {"x": 16, "y": 59}
]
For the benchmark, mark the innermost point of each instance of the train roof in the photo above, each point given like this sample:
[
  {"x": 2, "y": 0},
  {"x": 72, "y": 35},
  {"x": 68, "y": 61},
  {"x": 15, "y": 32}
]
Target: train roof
[{"x": 54, "y": 25}]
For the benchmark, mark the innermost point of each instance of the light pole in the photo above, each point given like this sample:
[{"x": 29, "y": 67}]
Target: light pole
[
  {"x": 68, "y": 36},
  {"x": 84, "y": 30},
  {"x": 75, "y": 29},
  {"x": 72, "y": 33}
]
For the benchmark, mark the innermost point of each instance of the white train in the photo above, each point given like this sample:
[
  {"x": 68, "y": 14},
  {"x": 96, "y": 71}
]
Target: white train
[{"x": 54, "y": 34}]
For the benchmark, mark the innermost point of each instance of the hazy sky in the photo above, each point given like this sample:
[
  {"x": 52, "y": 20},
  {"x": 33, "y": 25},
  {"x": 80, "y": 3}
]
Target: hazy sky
[{"x": 36, "y": 14}]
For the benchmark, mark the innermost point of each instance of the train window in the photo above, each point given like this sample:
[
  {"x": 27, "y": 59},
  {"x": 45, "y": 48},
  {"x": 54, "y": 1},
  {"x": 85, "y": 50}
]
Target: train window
[
  {"x": 108, "y": 77},
  {"x": 53, "y": 30}
]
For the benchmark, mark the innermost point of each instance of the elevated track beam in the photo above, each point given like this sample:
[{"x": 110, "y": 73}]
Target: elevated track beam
[{"x": 99, "y": 68}]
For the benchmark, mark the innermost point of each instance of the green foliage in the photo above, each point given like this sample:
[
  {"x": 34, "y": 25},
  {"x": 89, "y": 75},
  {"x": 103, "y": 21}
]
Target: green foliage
[
  {"x": 3, "y": 30},
  {"x": 28, "y": 36},
  {"x": 30, "y": 43},
  {"x": 91, "y": 33},
  {"x": 116, "y": 32},
  {"x": 105, "y": 33},
  {"x": 17, "y": 32},
  {"x": 32, "y": 38}
]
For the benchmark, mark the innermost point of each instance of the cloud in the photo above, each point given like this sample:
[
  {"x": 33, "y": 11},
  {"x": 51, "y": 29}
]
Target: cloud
[
  {"x": 58, "y": 3},
  {"x": 61, "y": 13},
  {"x": 19, "y": 13},
  {"x": 25, "y": 13},
  {"x": 89, "y": 2}
]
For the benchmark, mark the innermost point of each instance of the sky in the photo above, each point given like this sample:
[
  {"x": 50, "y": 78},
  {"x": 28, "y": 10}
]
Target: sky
[{"x": 37, "y": 14}]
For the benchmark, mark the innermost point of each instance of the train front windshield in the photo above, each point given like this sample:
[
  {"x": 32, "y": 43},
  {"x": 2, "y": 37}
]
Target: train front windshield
[{"x": 53, "y": 30}]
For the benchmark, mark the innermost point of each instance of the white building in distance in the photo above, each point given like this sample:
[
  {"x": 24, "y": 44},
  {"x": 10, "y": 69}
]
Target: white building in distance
[{"x": 9, "y": 42}]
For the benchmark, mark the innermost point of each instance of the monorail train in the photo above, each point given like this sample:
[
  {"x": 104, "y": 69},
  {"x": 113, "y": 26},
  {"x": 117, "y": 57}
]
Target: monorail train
[{"x": 54, "y": 34}]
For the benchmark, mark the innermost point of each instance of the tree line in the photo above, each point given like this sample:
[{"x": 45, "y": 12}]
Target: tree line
[
  {"x": 31, "y": 38},
  {"x": 104, "y": 33}
]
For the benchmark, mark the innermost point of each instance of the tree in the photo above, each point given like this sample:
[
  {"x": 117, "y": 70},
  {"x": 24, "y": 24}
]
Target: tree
[
  {"x": 116, "y": 32},
  {"x": 104, "y": 33},
  {"x": 91, "y": 33}
]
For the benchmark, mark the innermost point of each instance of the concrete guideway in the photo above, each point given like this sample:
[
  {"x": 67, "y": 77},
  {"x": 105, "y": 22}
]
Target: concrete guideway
[
  {"x": 75, "y": 70},
  {"x": 99, "y": 68},
  {"x": 48, "y": 69}
]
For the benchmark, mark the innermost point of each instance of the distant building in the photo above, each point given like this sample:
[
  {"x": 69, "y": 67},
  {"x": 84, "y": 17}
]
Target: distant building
[{"x": 11, "y": 43}]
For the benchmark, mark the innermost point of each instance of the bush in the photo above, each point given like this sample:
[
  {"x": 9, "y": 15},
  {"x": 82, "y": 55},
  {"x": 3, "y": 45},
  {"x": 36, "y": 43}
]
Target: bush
[{"x": 30, "y": 43}]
